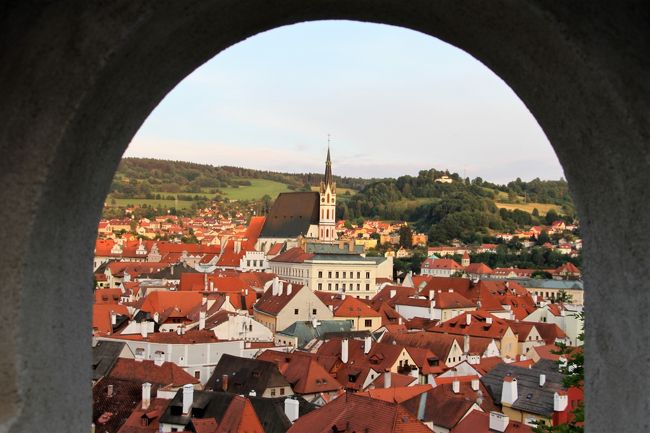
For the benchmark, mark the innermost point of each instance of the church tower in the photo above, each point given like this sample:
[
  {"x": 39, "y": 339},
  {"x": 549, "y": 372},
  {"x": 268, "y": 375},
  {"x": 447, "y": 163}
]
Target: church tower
[{"x": 327, "y": 220}]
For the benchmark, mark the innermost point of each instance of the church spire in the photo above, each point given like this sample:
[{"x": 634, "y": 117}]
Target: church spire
[{"x": 328, "y": 165}]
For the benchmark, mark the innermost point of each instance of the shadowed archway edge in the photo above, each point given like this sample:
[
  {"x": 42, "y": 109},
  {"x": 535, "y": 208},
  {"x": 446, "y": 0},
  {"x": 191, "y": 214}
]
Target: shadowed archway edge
[{"x": 78, "y": 79}]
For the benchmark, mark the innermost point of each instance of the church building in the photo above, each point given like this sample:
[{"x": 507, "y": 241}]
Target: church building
[{"x": 298, "y": 216}]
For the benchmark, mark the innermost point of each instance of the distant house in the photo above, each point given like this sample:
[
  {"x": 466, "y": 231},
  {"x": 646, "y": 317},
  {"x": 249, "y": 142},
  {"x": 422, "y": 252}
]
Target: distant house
[
  {"x": 300, "y": 333},
  {"x": 285, "y": 303},
  {"x": 243, "y": 376},
  {"x": 531, "y": 395},
  {"x": 440, "y": 267},
  {"x": 350, "y": 308}
]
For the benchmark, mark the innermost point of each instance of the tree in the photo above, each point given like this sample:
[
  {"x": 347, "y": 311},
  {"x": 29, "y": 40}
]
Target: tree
[
  {"x": 564, "y": 297},
  {"x": 543, "y": 238},
  {"x": 551, "y": 216},
  {"x": 405, "y": 236}
]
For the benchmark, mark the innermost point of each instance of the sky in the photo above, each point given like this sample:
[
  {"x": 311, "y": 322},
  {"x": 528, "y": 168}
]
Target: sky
[{"x": 393, "y": 101}]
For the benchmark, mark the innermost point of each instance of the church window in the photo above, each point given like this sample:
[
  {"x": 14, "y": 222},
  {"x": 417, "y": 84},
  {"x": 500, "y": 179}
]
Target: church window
[{"x": 328, "y": 197}]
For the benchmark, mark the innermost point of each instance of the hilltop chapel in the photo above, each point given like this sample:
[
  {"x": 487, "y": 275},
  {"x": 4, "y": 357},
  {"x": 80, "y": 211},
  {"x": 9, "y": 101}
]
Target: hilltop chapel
[{"x": 296, "y": 217}]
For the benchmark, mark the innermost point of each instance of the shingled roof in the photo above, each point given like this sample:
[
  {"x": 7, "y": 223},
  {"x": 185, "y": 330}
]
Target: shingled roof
[
  {"x": 245, "y": 375},
  {"x": 532, "y": 397},
  {"x": 291, "y": 215}
]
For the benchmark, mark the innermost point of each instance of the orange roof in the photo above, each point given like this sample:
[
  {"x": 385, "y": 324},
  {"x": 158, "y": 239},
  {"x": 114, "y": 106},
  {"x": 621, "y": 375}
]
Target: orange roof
[
  {"x": 147, "y": 371},
  {"x": 102, "y": 316},
  {"x": 240, "y": 417},
  {"x": 254, "y": 229},
  {"x": 347, "y": 307},
  {"x": 396, "y": 394},
  {"x": 351, "y": 412},
  {"x": 294, "y": 255},
  {"x": 181, "y": 303}
]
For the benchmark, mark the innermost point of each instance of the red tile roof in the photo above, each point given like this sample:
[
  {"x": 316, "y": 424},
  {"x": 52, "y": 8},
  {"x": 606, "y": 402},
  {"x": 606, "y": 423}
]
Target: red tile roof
[
  {"x": 479, "y": 422},
  {"x": 396, "y": 394},
  {"x": 240, "y": 417},
  {"x": 294, "y": 255},
  {"x": 348, "y": 306},
  {"x": 166, "y": 374},
  {"x": 354, "y": 413},
  {"x": 273, "y": 304}
]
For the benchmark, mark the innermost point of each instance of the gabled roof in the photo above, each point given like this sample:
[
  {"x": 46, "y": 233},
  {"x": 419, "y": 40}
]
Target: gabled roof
[
  {"x": 240, "y": 417},
  {"x": 111, "y": 412},
  {"x": 303, "y": 372},
  {"x": 291, "y": 215},
  {"x": 147, "y": 371},
  {"x": 532, "y": 398},
  {"x": 349, "y": 306},
  {"x": 305, "y": 331},
  {"x": 274, "y": 304},
  {"x": 245, "y": 375},
  {"x": 293, "y": 255},
  {"x": 397, "y": 394},
  {"x": 478, "y": 326},
  {"x": 356, "y": 413}
]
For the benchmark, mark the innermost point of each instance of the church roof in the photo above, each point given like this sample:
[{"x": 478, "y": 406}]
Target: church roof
[{"x": 291, "y": 215}]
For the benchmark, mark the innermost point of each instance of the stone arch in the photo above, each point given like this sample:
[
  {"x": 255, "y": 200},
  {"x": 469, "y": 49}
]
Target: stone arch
[{"x": 78, "y": 79}]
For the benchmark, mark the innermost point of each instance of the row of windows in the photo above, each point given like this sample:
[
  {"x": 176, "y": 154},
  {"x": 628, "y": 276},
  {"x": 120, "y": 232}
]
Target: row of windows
[
  {"x": 336, "y": 274},
  {"x": 297, "y": 310},
  {"x": 335, "y": 287},
  {"x": 255, "y": 263}
]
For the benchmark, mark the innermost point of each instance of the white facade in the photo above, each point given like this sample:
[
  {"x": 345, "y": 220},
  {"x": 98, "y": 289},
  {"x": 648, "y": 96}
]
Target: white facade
[{"x": 197, "y": 359}]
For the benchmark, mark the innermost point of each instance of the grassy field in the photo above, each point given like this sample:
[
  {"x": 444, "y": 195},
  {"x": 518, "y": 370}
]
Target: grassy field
[
  {"x": 528, "y": 207},
  {"x": 257, "y": 190}
]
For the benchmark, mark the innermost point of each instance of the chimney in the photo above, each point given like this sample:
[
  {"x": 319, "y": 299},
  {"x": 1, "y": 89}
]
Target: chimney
[
  {"x": 498, "y": 422},
  {"x": 432, "y": 294},
  {"x": 331, "y": 307},
  {"x": 156, "y": 316},
  {"x": 158, "y": 358},
  {"x": 468, "y": 318},
  {"x": 204, "y": 299},
  {"x": 237, "y": 246},
  {"x": 542, "y": 379},
  {"x": 212, "y": 286},
  {"x": 205, "y": 282},
  {"x": 139, "y": 355},
  {"x": 509, "y": 392},
  {"x": 224, "y": 382},
  {"x": 344, "y": 350},
  {"x": 451, "y": 290},
  {"x": 465, "y": 344},
  {"x": 367, "y": 344},
  {"x": 146, "y": 395},
  {"x": 113, "y": 318},
  {"x": 280, "y": 284},
  {"x": 188, "y": 398},
  {"x": 422, "y": 406},
  {"x": 109, "y": 391},
  {"x": 387, "y": 379},
  {"x": 144, "y": 331},
  {"x": 342, "y": 296},
  {"x": 291, "y": 409},
  {"x": 488, "y": 320},
  {"x": 475, "y": 383},
  {"x": 560, "y": 401},
  {"x": 252, "y": 393},
  {"x": 393, "y": 292},
  {"x": 289, "y": 289},
  {"x": 455, "y": 386},
  {"x": 227, "y": 300},
  {"x": 201, "y": 320}
]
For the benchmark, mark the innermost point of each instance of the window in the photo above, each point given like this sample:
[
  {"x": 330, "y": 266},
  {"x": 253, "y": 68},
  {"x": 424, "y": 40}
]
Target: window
[
  {"x": 295, "y": 311},
  {"x": 367, "y": 274},
  {"x": 329, "y": 286},
  {"x": 337, "y": 274},
  {"x": 320, "y": 286},
  {"x": 320, "y": 274},
  {"x": 359, "y": 275},
  {"x": 358, "y": 286},
  {"x": 343, "y": 286},
  {"x": 329, "y": 274},
  {"x": 273, "y": 393},
  {"x": 367, "y": 286},
  {"x": 313, "y": 311},
  {"x": 197, "y": 374},
  {"x": 344, "y": 274},
  {"x": 281, "y": 391},
  {"x": 367, "y": 323}
]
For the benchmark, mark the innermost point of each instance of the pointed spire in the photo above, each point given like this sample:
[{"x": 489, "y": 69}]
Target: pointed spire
[{"x": 328, "y": 165}]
